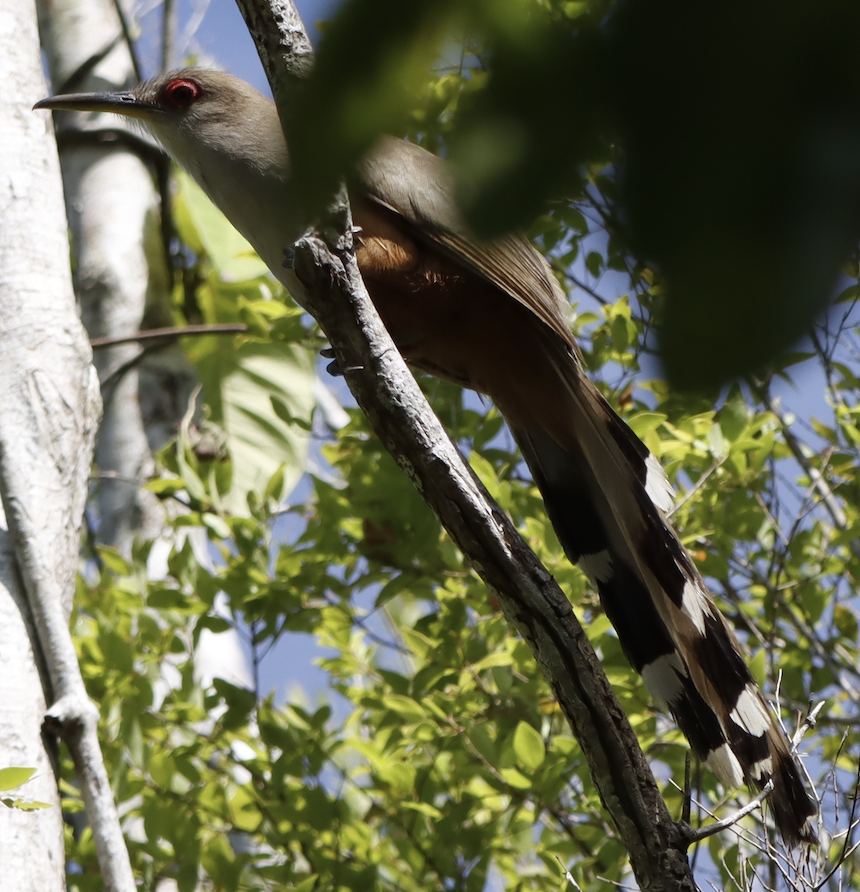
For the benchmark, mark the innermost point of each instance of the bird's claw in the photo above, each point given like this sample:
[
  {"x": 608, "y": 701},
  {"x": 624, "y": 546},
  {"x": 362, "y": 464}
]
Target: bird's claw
[{"x": 334, "y": 368}]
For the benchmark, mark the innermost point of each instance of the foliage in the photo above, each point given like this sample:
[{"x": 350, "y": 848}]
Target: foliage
[
  {"x": 437, "y": 758},
  {"x": 260, "y": 391},
  {"x": 11, "y": 779},
  {"x": 736, "y": 129}
]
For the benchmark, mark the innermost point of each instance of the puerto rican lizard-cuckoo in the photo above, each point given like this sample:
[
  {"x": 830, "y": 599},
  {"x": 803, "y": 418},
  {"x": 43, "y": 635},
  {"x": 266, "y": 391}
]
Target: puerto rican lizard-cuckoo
[{"x": 490, "y": 315}]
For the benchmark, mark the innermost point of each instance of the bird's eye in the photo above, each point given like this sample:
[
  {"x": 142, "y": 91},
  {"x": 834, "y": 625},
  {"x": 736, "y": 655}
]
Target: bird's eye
[{"x": 181, "y": 93}]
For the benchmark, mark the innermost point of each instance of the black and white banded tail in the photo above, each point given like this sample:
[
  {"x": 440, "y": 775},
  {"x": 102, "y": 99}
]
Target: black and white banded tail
[{"x": 608, "y": 499}]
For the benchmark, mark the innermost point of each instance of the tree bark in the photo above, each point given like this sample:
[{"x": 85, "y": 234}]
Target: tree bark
[
  {"x": 528, "y": 595},
  {"x": 49, "y": 410},
  {"x": 32, "y": 842}
]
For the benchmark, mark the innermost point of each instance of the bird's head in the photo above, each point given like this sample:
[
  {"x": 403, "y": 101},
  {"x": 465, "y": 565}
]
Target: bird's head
[
  {"x": 228, "y": 137},
  {"x": 196, "y": 114}
]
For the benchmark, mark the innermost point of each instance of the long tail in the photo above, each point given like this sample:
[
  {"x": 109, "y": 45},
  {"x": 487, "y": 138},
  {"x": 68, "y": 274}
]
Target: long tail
[{"x": 608, "y": 498}]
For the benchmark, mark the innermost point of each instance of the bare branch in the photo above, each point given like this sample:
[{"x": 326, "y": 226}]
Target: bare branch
[
  {"x": 171, "y": 333},
  {"x": 719, "y": 826}
]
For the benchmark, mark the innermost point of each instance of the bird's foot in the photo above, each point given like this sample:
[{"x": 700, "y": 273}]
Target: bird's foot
[{"x": 334, "y": 368}]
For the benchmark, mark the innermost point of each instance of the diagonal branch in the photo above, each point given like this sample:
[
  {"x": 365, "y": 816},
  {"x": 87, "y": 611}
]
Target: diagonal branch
[{"x": 529, "y": 597}]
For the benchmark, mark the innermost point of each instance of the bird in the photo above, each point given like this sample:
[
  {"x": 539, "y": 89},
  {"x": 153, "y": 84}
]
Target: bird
[{"x": 491, "y": 316}]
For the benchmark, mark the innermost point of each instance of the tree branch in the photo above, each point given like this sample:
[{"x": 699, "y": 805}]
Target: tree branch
[
  {"x": 170, "y": 334},
  {"x": 528, "y": 595}
]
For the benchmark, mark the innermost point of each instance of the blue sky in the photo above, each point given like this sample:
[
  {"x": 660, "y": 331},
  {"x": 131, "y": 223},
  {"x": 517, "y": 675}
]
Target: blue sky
[{"x": 221, "y": 35}]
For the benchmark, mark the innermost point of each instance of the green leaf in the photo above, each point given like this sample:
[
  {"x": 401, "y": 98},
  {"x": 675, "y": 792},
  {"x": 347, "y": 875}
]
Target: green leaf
[
  {"x": 492, "y": 660},
  {"x": 10, "y": 778},
  {"x": 594, "y": 263},
  {"x": 215, "y": 624},
  {"x": 845, "y": 621},
  {"x": 400, "y": 775},
  {"x": 244, "y": 812},
  {"x": 24, "y": 804},
  {"x": 734, "y": 416},
  {"x": 241, "y": 387},
  {"x": 205, "y": 229},
  {"x": 283, "y": 412},
  {"x": 215, "y": 525},
  {"x": 114, "y": 561},
  {"x": 486, "y": 473},
  {"x": 424, "y": 808},
  {"x": 717, "y": 443},
  {"x": 515, "y": 779},
  {"x": 275, "y": 487},
  {"x": 165, "y": 486},
  {"x": 528, "y": 747},
  {"x": 240, "y": 702},
  {"x": 406, "y": 708},
  {"x": 758, "y": 666}
]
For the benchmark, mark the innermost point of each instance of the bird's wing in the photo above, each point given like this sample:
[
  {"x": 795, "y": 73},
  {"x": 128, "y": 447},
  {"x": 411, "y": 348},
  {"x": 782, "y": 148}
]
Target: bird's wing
[{"x": 417, "y": 187}]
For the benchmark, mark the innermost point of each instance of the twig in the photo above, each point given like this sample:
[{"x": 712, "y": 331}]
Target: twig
[
  {"x": 168, "y": 35},
  {"x": 171, "y": 332},
  {"x": 568, "y": 875},
  {"x": 688, "y": 789},
  {"x": 697, "y": 485},
  {"x": 808, "y": 723},
  {"x": 719, "y": 826},
  {"x": 827, "y": 497},
  {"x": 129, "y": 40}
]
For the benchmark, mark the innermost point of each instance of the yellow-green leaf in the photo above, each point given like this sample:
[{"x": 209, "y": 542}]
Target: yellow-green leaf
[
  {"x": 529, "y": 747},
  {"x": 10, "y": 778}
]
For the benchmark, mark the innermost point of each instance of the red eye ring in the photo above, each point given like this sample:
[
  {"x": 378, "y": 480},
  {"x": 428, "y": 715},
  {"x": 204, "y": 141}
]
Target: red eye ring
[{"x": 181, "y": 93}]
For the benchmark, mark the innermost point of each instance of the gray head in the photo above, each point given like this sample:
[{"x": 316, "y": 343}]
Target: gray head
[
  {"x": 227, "y": 135},
  {"x": 194, "y": 111}
]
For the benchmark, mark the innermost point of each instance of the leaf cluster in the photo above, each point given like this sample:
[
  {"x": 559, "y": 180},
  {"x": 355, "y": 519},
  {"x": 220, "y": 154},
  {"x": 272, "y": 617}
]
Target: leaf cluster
[
  {"x": 732, "y": 132},
  {"x": 435, "y": 757}
]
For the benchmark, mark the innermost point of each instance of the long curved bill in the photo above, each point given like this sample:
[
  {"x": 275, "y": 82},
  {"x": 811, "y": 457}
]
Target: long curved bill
[{"x": 126, "y": 104}]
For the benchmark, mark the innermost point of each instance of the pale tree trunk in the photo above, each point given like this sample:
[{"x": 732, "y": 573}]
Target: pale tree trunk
[
  {"x": 49, "y": 410},
  {"x": 120, "y": 275},
  {"x": 32, "y": 842},
  {"x": 111, "y": 203}
]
